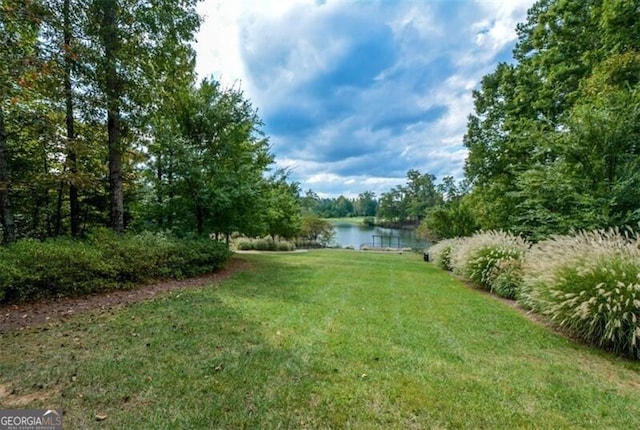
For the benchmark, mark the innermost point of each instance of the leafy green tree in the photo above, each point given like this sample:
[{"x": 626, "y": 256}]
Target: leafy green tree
[
  {"x": 551, "y": 138},
  {"x": 452, "y": 217},
  {"x": 366, "y": 204},
  {"x": 209, "y": 165},
  {"x": 315, "y": 230},
  {"x": 392, "y": 206},
  {"x": 310, "y": 202},
  {"x": 282, "y": 209},
  {"x": 421, "y": 194},
  {"x": 136, "y": 43},
  {"x": 343, "y": 207}
]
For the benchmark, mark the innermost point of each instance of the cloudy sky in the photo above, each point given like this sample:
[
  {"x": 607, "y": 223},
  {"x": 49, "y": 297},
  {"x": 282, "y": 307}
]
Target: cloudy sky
[{"x": 353, "y": 94}]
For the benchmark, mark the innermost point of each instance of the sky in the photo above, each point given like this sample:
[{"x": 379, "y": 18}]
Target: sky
[{"x": 353, "y": 94}]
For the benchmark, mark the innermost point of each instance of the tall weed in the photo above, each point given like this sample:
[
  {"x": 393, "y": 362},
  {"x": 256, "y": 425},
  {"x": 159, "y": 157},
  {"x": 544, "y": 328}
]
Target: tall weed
[{"x": 588, "y": 284}]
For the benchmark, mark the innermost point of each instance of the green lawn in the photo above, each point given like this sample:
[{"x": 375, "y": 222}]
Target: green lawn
[{"x": 326, "y": 339}]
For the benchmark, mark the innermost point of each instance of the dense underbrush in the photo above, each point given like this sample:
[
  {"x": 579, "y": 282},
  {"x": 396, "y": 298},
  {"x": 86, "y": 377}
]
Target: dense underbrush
[
  {"x": 587, "y": 284},
  {"x": 31, "y": 269}
]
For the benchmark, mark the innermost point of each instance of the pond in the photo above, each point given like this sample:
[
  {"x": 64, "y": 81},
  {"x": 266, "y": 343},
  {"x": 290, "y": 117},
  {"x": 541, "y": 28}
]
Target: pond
[{"x": 355, "y": 235}]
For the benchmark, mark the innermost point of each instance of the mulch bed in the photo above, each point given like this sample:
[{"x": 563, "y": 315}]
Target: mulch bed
[{"x": 24, "y": 315}]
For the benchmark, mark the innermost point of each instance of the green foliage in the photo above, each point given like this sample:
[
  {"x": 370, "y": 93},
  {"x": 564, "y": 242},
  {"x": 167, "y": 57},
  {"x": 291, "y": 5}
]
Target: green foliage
[
  {"x": 281, "y": 212},
  {"x": 589, "y": 285},
  {"x": 369, "y": 221},
  {"x": 507, "y": 277},
  {"x": 64, "y": 267},
  {"x": 315, "y": 231},
  {"x": 55, "y": 268},
  {"x": 487, "y": 256},
  {"x": 454, "y": 218},
  {"x": 553, "y": 138}
]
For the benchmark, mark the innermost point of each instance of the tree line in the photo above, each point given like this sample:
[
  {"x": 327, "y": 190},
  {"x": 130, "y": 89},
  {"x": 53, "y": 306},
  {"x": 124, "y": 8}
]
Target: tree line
[{"x": 103, "y": 123}]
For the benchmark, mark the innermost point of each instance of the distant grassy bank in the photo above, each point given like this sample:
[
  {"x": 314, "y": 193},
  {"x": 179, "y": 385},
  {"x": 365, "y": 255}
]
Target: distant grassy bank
[
  {"x": 358, "y": 220},
  {"x": 324, "y": 339}
]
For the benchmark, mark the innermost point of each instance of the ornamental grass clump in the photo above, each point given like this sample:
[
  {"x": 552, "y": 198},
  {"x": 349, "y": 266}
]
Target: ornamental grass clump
[
  {"x": 491, "y": 259},
  {"x": 589, "y": 285},
  {"x": 440, "y": 253}
]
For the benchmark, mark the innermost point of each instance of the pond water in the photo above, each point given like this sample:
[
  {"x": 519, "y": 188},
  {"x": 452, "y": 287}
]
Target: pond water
[{"x": 355, "y": 235}]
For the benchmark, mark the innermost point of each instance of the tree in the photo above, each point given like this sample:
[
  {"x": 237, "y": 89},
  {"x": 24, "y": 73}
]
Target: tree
[
  {"x": 209, "y": 165},
  {"x": 281, "y": 210},
  {"x": 315, "y": 230},
  {"x": 551, "y": 138},
  {"x": 19, "y": 27},
  {"x": 421, "y": 194},
  {"x": 452, "y": 216},
  {"x": 366, "y": 204},
  {"x": 310, "y": 203},
  {"x": 136, "y": 43},
  {"x": 392, "y": 205}
]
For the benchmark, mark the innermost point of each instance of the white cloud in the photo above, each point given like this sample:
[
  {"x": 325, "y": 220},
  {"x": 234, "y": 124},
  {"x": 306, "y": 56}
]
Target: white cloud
[{"x": 412, "y": 114}]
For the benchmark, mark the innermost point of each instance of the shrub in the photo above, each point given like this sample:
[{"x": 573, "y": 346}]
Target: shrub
[
  {"x": 265, "y": 244},
  {"x": 31, "y": 269},
  {"x": 369, "y": 221},
  {"x": 286, "y": 246},
  {"x": 55, "y": 268},
  {"x": 507, "y": 278},
  {"x": 589, "y": 285},
  {"x": 440, "y": 253},
  {"x": 487, "y": 256}
]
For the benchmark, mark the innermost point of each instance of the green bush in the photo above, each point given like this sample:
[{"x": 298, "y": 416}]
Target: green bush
[
  {"x": 440, "y": 253},
  {"x": 488, "y": 256},
  {"x": 31, "y": 269},
  {"x": 589, "y": 285},
  {"x": 196, "y": 257},
  {"x": 55, "y": 268}
]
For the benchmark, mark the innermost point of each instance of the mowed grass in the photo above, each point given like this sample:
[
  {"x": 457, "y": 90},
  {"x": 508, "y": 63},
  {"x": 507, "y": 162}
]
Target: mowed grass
[{"x": 325, "y": 339}]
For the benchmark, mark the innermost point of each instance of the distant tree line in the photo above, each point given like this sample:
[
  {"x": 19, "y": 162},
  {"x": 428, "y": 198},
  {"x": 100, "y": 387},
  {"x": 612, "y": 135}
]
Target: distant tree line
[{"x": 366, "y": 204}]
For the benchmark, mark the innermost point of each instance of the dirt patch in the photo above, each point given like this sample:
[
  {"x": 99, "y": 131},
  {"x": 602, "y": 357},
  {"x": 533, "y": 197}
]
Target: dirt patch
[
  {"x": 21, "y": 316},
  {"x": 9, "y": 399}
]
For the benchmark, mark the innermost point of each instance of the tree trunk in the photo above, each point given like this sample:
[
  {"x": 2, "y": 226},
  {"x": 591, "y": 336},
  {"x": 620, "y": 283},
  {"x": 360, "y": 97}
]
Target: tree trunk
[
  {"x": 116, "y": 195},
  {"x": 74, "y": 206},
  {"x": 160, "y": 191},
  {"x": 113, "y": 91},
  {"x": 6, "y": 213}
]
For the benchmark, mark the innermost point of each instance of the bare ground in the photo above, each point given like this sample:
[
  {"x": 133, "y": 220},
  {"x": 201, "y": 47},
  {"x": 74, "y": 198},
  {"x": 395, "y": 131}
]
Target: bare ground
[{"x": 24, "y": 315}]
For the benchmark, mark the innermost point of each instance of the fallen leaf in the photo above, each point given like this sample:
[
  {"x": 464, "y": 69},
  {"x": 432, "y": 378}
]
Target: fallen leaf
[{"x": 101, "y": 417}]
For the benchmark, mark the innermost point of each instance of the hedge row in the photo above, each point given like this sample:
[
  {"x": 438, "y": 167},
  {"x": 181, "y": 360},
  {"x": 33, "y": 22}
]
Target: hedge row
[
  {"x": 31, "y": 269},
  {"x": 587, "y": 284}
]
